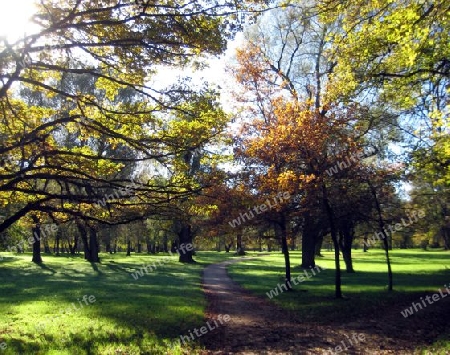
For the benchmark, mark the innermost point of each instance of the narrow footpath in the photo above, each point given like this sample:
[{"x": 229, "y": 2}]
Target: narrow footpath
[{"x": 257, "y": 326}]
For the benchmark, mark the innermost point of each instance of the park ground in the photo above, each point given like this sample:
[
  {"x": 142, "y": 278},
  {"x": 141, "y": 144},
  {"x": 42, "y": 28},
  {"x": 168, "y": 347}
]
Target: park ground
[{"x": 42, "y": 309}]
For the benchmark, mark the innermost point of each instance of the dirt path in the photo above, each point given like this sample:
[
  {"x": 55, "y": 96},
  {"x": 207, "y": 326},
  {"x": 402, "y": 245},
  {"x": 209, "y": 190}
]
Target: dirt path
[{"x": 257, "y": 326}]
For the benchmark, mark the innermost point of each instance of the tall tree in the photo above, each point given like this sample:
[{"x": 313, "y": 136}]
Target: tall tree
[{"x": 121, "y": 45}]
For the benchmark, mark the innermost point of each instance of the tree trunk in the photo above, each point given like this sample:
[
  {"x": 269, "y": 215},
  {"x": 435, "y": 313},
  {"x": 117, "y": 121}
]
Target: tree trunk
[
  {"x": 219, "y": 245},
  {"x": 385, "y": 237},
  {"x": 128, "y": 248},
  {"x": 37, "y": 242},
  {"x": 330, "y": 214},
  {"x": 228, "y": 247},
  {"x": 186, "y": 247},
  {"x": 149, "y": 246},
  {"x": 292, "y": 244},
  {"x": 47, "y": 249},
  {"x": 285, "y": 251},
  {"x": 93, "y": 246},
  {"x": 84, "y": 238},
  {"x": 318, "y": 246},
  {"x": 165, "y": 244},
  {"x": 173, "y": 248},
  {"x": 74, "y": 248},
  {"x": 58, "y": 240},
  {"x": 446, "y": 237},
  {"x": 239, "y": 248},
  {"x": 308, "y": 243},
  {"x": 90, "y": 245},
  {"x": 346, "y": 240}
]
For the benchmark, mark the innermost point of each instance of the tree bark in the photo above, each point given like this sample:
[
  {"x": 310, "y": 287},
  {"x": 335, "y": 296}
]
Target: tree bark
[
  {"x": 239, "y": 248},
  {"x": 185, "y": 238},
  {"x": 57, "y": 241},
  {"x": 90, "y": 244},
  {"x": 446, "y": 237},
  {"x": 330, "y": 214},
  {"x": 37, "y": 242},
  {"x": 285, "y": 251},
  {"x": 346, "y": 240},
  {"x": 128, "y": 247},
  {"x": 308, "y": 242},
  {"x": 73, "y": 248},
  {"x": 385, "y": 237},
  {"x": 93, "y": 246},
  {"x": 318, "y": 246}
]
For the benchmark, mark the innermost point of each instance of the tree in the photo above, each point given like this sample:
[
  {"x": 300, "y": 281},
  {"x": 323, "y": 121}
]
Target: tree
[
  {"x": 294, "y": 137},
  {"x": 284, "y": 56},
  {"x": 118, "y": 46},
  {"x": 405, "y": 50}
]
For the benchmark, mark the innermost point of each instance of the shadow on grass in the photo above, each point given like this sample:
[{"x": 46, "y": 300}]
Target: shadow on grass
[
  {"x": 161, "y": 305},
  {"x": 43, "y": 266},
  {"x": 95, "y": 267}
]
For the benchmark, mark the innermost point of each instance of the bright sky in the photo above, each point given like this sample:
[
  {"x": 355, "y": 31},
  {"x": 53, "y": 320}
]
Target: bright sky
[
  {"x": 15, "y": 24},
  {"x": 14, "y": 19}
]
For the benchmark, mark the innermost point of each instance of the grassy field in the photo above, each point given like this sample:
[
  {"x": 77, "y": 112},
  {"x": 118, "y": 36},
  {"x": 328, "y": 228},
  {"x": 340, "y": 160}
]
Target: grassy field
[
  {"x": 415, "y": 273},
  {"x": 129, "y": 316},
  {"x": 146, "y": 316}
]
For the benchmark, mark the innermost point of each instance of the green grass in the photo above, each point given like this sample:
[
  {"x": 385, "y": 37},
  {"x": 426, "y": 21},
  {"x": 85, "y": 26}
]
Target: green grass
[
  {"x": 147, "y": 315},
  {"x": 415, "y": 273},
  {"x": 142, "y": 316}
]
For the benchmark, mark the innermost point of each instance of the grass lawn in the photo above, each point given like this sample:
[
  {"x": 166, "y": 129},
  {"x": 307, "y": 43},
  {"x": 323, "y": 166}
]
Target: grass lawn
[
  {"x": 416, "y": 272},
  {"x": 128, "y": 316},
  {"x": 146, "y": 316}
]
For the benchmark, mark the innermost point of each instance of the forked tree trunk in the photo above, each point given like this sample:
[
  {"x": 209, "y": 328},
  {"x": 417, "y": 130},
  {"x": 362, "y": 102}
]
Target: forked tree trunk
[
  {"x": 73, "y": 248},
  {"x": 228, "y": 247},
  {"x": 90, "y": 242}
]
